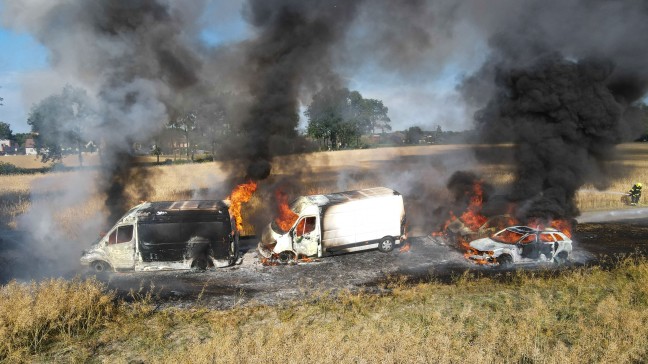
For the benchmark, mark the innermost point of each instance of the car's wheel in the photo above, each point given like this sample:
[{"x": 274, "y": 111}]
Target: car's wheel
[
  {"x": 505, "y": 261},
  {"x": 386, "y": 244},
  {"x": 100, "y": 266},
  {"x": 200, "y": 263},
  {"x": 561, "y": 258},
  {"x": 286, "y": 256}
]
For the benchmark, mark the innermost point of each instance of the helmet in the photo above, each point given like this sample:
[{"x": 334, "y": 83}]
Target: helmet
[{"x": 638, "y": 185}]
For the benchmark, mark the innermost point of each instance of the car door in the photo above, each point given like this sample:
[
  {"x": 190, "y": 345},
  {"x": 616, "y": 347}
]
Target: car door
[
  {"x": 547, "y": 245},
  {"x": 306, "y": 236},
  {"x": 120, "y": 247}
]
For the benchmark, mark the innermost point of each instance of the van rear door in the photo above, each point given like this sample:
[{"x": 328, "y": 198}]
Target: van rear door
[{"x": 120, "y": 247}]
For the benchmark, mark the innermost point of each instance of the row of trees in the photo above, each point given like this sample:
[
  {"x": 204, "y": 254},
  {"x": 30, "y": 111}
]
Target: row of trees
[
  {"x": 338, "y": 117},
  {"x": 61, "y": 123}
]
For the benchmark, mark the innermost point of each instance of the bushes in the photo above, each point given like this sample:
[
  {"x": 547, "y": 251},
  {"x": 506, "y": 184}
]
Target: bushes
[
  {"x": 37, "y": 314},
  {"x": 8, "y": 168}
]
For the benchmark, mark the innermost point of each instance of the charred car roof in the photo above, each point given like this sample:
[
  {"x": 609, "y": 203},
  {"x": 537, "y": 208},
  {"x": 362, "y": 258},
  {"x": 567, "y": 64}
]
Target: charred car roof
[{"x": 528, "y": 230}]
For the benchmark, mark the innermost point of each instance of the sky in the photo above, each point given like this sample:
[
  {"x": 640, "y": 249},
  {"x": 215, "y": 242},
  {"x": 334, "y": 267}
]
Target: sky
[
  {"x": 20, "y": 54},
  {"x": 427, "y": 103}
]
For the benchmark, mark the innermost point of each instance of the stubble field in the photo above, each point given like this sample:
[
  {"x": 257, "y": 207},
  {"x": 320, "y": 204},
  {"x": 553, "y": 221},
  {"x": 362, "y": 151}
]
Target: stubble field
[{"x": 588, "y": 314}]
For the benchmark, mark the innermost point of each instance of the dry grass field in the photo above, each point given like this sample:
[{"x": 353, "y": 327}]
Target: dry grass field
[
  {"x": 186, "y": 181},
  {"x": 585, "y": 315},
  {"x": 575, "y": 316}
]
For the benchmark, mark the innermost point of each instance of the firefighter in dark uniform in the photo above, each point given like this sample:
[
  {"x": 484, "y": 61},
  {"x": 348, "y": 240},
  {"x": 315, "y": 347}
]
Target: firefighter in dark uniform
[{"x": 635, "y": 193}]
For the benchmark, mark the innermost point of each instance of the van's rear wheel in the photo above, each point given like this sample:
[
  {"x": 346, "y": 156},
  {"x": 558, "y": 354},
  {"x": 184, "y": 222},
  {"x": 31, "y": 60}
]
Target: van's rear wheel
[
  {"x": 386, "y": 244},
  {"x": 200, "y": 263},
  {"x": 100, "y": 267},
  {"x": 285, "y": 257}
]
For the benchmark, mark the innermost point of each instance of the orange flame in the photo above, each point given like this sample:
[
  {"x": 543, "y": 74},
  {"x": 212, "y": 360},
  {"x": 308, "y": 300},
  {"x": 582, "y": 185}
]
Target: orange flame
[
  {"x": 305, "y": 259},
  {"x": 268, "y": 262},
  {"x": 405, "y": 248},
  {"x": 240, "y": 194},
  {"x": 563, "y": 226},
  {"x": 472, "y": 217},
  {"x": 469, "y": 251},
  {"x": 285, "y": 216}
]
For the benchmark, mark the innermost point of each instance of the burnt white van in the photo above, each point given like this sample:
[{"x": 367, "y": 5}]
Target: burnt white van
[
  {"x": 343, "y": 222},
  {"x": 167, "y": 235}
]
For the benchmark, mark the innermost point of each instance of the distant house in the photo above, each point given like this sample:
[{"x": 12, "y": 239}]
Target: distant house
[
  {"x": 8, "y": 147},
  {"x": 4, "y": 144},
  {"x": 30, "y": 147}
]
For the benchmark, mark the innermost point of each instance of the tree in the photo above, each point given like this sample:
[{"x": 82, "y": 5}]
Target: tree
[
  {"x": 211, "y": 121},
  {"x": 413, "y": 135},
  {"x": 58, "y": 124},
  {"x": 186, "y": 122},
  {"x": 5, "y": 131},
  {"x": 20, "y": 138},
  {"x": 156, "y": 151},
  {"x": 338, "y": 117},
  {"x": 375, "y": 114}
]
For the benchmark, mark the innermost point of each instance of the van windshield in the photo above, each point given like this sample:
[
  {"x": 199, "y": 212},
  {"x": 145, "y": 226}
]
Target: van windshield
[{"x": 296, "y": 207}]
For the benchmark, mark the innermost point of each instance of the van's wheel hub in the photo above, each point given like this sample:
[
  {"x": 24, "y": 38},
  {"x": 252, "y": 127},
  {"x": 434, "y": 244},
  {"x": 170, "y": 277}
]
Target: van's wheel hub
[
  {"x": 100, "y": 266},
  {"x": 285, "y": 257},
  {"x": 200, "y": 263},
  {"x": 386, "y": 245}
]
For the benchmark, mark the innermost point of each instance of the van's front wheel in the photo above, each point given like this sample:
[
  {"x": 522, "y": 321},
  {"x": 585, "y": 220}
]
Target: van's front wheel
[
  {"x": 285, "y": 257},
  {"x": 386, "y": 244},
  {"x": 100, "y": 267}
]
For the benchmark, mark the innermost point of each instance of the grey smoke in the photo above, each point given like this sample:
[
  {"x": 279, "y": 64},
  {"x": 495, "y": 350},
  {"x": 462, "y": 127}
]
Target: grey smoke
[{"x": 134, "y": 57}]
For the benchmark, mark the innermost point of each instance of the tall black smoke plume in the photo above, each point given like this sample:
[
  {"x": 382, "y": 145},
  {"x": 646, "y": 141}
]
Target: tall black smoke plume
[
  {"x": 564, "y": 120},
  {"x": 291, "y": 54},
  {"x": 561, "y": 80}
]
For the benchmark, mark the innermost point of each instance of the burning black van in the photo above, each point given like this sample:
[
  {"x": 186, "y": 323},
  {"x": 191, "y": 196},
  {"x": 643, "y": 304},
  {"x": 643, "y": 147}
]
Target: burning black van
[{"x": 168, "y": 235}]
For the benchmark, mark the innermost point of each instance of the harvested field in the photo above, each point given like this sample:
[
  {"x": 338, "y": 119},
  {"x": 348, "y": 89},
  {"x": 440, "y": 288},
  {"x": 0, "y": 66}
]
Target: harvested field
[{"x": 361, "y": 289}]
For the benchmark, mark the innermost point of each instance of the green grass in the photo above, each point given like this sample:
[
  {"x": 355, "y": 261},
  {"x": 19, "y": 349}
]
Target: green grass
[{"x": 583, "y": 315}]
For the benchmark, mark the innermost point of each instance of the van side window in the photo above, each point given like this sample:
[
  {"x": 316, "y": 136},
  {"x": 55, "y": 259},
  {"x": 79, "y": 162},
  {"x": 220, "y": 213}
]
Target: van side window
[
  {"x": 310, "y": 224},
  {"x": 124, "y": 234},
  {"x": 305, "y": 226}
]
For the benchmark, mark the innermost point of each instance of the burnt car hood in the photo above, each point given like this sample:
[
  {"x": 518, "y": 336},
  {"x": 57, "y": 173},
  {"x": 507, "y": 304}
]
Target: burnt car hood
[{"x": 487, "y": 244}]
